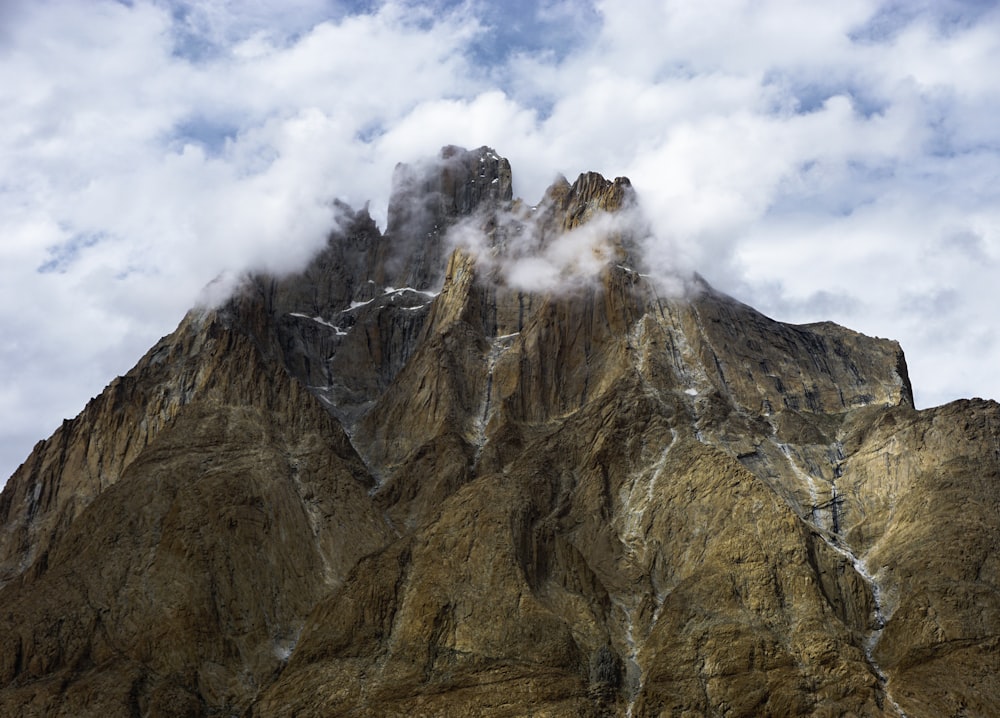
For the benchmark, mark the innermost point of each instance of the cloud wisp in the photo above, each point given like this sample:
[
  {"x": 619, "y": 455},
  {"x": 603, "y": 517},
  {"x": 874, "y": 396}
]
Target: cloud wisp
[
  {"x": 519, "y": 255},
  {"x": 819, "y": 161}
]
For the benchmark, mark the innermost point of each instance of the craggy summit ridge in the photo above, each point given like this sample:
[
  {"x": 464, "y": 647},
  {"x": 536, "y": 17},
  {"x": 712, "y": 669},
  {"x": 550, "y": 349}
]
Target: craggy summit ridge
[{"x": 410, "y": 481}]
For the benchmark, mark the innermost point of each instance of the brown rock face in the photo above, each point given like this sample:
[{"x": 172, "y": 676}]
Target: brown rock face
[{"x": 403, "y": 482}]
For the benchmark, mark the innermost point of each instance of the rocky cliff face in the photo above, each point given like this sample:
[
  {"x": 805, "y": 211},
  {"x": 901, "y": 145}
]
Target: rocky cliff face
[{"x": 404, "y": 482}]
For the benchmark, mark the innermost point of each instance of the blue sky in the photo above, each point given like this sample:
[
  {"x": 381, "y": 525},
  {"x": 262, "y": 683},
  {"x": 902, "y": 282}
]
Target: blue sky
[{"x": 818, "y": 161}]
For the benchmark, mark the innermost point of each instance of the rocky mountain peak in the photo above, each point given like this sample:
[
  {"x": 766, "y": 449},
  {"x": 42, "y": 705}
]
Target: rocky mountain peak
[
  {"x": 480, "y": 465},
  {"x": 589, "y": 194},
  {"x": 429, "y": 197}
]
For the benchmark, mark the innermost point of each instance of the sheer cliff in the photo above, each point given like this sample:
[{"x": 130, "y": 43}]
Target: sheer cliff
[{"x": 408, "y": 481}]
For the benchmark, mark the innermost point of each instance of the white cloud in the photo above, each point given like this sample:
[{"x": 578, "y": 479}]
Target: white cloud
[
  {"x": 520, "y": 257},
  {"x": 821, "y": 161}
]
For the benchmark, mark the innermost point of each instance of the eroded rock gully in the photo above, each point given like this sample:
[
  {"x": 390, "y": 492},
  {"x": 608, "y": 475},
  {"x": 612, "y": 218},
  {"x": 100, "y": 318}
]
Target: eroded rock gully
[{"x": 397, "y": 483}]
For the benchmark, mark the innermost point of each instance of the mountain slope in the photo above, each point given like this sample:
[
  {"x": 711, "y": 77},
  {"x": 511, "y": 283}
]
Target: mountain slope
[{"x": 409, "y": 481}]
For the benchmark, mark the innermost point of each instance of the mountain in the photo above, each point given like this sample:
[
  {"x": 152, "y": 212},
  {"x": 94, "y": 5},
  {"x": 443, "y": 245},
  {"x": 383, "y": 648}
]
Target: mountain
[{"x": 482, "y": 464}]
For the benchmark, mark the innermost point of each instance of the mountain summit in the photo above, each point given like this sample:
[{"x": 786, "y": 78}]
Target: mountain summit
[{"x": 481, "y": 464}]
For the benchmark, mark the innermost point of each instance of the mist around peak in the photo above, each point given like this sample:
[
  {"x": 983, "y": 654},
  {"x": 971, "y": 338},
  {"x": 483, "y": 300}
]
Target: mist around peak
[
  {"x": 463, "y": 200},
  {"x": 569, "y": 240},
  {"x": 219, "y": 290},
  {"x": 518, "y": 252}
]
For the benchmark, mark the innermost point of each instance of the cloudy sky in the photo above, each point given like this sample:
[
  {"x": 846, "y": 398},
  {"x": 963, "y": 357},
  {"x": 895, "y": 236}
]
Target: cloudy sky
[{"x": 816, "y": 160}]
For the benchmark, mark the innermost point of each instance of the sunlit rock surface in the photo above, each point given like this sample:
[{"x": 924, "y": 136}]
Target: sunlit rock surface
[{"x": 407, "y": 481}]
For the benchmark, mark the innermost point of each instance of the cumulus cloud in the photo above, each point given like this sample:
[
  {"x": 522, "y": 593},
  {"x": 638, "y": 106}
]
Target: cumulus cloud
[{"x": 819, "y": 161}]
